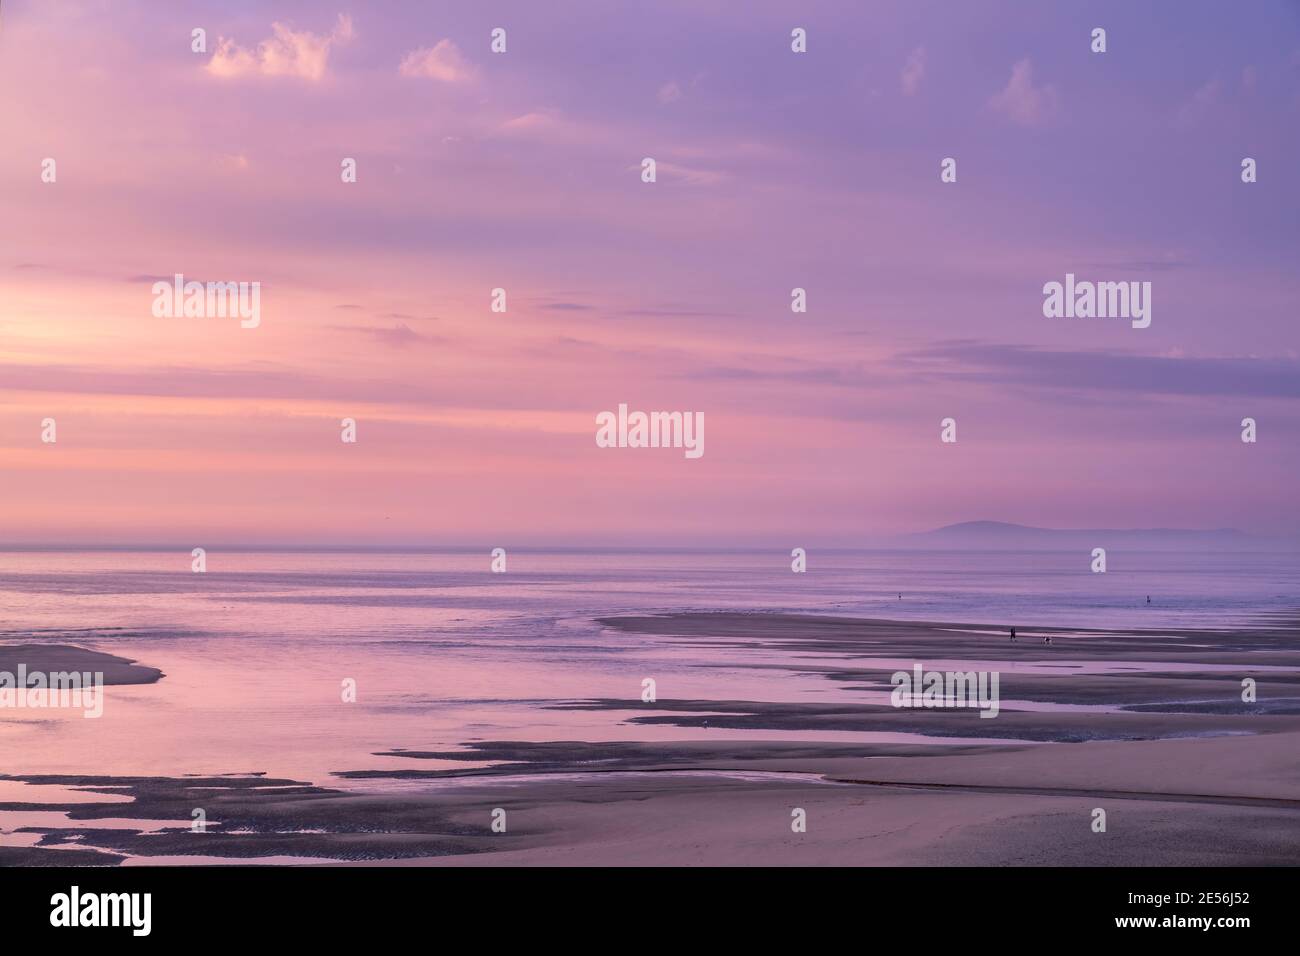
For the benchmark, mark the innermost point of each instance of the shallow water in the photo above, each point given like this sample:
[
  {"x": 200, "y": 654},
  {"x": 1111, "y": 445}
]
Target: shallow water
[{"x": 444, "y": 652}]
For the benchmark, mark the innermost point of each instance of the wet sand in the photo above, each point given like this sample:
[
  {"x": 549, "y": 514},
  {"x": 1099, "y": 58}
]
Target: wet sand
[
  {"x": 53, "y": 658},
  {"x": 1186, "y": 772}
]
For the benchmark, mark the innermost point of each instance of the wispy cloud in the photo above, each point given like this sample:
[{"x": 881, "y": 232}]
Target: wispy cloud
[
  {"x": 287, "y": 52},
  {"x": 913, "y": 71},
  {"x": 1021, "y": 101},
  {"x": 691, "y": 175},
  {"x": 232, "y": 162},
  {"x": 442, "y": 62},
  {"x": 1206, "y": 97},
  {"x": 670, "y": 92},
  {"x": 399, "y": 335}
]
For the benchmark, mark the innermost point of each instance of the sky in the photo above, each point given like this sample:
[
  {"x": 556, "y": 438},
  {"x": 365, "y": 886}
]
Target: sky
[{"x": 522, "y": 170}]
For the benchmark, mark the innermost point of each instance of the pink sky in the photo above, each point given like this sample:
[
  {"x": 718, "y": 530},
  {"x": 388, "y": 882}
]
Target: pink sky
[{"x": 521, "y": 170}]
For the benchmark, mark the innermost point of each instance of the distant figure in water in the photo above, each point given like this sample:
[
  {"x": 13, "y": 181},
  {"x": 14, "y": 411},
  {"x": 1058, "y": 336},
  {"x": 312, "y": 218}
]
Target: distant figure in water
[
  {"x": 1148, "y": 598},
  {"x": 1013, "y": 634},
  {"x": 900, "y": 597},
  {"x": 1047, "y": 639}
]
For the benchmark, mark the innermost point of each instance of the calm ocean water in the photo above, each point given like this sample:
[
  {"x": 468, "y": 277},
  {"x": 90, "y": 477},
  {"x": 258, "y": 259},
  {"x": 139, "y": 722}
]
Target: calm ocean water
[{"x": 445, "y": 652}]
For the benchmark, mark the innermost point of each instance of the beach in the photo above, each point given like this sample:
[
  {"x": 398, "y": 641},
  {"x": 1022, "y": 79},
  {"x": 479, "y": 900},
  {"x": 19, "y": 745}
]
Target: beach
[{"x": 1148, "y": 726}]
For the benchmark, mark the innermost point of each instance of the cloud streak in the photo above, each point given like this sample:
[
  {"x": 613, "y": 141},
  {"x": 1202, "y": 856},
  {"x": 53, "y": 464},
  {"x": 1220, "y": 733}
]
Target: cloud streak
[{"x": 1110, "y": 372}]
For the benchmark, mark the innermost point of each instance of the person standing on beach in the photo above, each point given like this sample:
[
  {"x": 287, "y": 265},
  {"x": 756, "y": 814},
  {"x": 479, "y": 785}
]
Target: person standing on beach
[{"x": 1013, "y": 634}]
